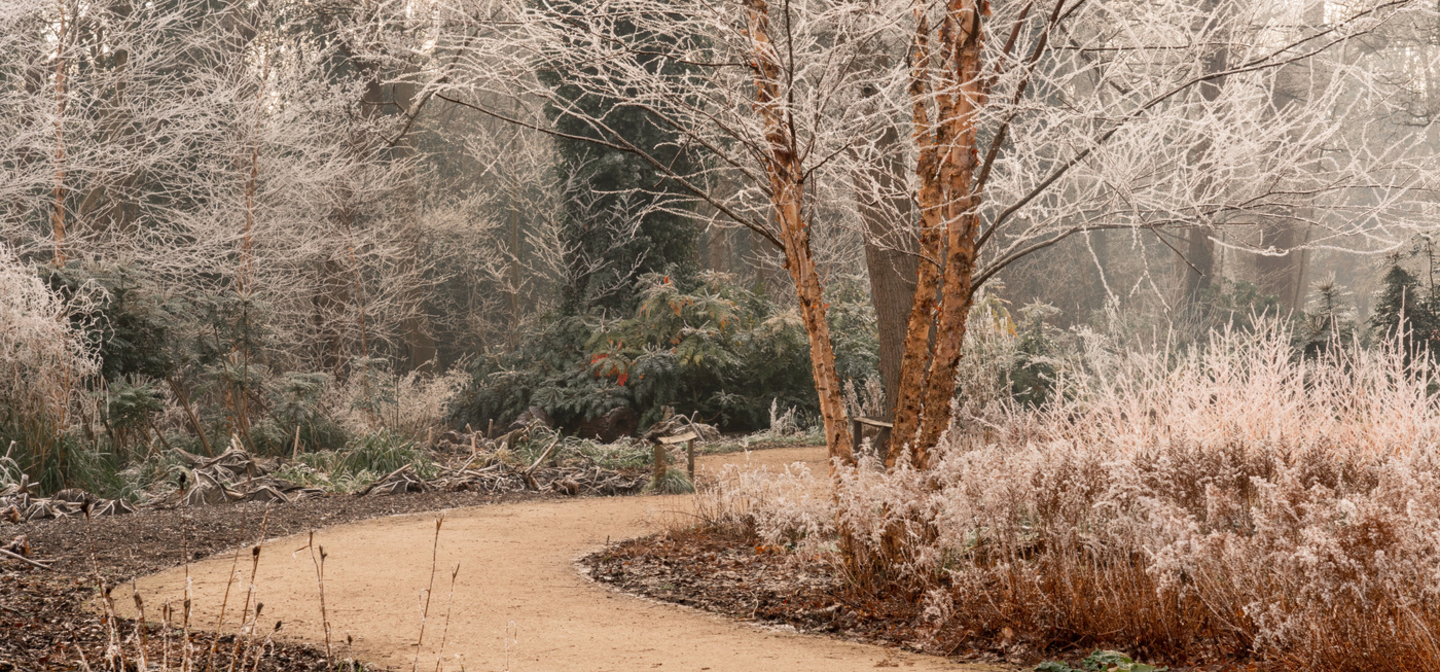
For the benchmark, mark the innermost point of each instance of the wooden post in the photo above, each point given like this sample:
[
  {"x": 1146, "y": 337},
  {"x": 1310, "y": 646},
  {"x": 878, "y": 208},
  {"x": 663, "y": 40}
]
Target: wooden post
[
  {"x": 690, "y": 460},
  {"x": 658, "y": 457},
  {"x": 855, "y": 436}
]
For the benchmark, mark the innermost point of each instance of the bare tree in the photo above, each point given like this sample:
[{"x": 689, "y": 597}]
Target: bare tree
[
  {"x": 218, "y": 151},
  {"x": 1031, "y": 123}
]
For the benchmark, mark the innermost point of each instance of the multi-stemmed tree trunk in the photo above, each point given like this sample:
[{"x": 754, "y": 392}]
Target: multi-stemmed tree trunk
[
  {"x": 949, "y": 222},
  {"x": 949, "y": 198}
]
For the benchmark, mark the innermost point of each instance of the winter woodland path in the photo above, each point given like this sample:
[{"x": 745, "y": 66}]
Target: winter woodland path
[{"x": 517, "y": 574}]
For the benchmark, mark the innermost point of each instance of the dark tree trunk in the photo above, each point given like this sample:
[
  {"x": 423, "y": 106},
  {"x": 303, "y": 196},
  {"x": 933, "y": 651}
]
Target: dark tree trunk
[
  {"x": 1279, "y": 275},
  {"x": 1200, "y": 268},
  {"x": 890, "y": 256}
]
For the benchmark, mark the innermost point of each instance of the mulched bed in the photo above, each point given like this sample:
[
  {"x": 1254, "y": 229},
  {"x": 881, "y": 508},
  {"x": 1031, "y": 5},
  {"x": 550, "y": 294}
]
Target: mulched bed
[
  {"x": 724, "y": 571},
  {"x": 46, "y": 617}
]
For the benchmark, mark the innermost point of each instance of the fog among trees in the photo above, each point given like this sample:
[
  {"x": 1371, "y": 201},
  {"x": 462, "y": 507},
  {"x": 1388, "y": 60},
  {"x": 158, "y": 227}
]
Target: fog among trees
[
  {"x": 592, "y": 208},
  {"x": 1080, "y": 296}
]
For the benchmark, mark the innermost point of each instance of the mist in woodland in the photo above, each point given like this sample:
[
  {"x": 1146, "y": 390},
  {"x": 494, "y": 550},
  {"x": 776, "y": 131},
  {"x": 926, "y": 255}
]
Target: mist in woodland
[{"x": 283, "y": 226}]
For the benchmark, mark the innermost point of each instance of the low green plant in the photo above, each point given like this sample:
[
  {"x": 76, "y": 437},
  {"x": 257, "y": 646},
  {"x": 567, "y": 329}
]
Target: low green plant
[
  {"x": 676, "y": 482},
  {"x": 365, "y": 459},
  {"x": 1100, "y": 661},
  {"x": 626, "y": 454},
  {"x": 384, "y": 452}
]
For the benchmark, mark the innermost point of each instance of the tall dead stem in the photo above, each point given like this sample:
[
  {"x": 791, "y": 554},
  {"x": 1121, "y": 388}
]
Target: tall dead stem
[
  {"x": 319, "y": 563},
  {"x": 248, "y": 630},
  {"x": 229, "y": 581},
  {"x": 449, "y": 603},
  {"x": 425, "y": 612}
]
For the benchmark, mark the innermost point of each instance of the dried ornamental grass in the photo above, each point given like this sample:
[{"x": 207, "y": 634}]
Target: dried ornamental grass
[
  {"x": 44, "y": 358},
  {"x": 1230, "y": 502}
]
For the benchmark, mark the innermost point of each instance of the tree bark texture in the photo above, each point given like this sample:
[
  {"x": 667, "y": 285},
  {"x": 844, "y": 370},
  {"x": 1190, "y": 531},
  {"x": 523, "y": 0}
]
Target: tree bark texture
[
  {"x": 782, "y": 165},
  {"x": 950, "y": 222},
  {"x": 890, "y": 259}
]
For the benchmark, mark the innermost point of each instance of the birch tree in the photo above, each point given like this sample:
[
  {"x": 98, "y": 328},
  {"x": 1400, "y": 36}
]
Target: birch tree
[{"x": 1030, "y": 122}]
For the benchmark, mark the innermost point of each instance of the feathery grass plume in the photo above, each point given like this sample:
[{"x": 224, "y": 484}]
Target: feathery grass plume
[{"x": 1230, "y": 500}]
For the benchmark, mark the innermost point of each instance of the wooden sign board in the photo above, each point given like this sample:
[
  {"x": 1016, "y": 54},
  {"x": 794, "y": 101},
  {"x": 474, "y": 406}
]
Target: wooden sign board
[{"x": 679, "y": 438}]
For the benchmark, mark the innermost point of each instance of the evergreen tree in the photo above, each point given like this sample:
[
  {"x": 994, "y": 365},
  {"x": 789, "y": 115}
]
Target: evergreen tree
[
  {"x": 609, "y": 188},
  {"x": 1330, "y": 325},
  {"x": 1405, "y": 310}
]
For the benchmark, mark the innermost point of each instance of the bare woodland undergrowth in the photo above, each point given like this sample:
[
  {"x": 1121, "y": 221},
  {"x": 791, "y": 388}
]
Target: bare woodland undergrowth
[{"x": 1227, "y": 503}]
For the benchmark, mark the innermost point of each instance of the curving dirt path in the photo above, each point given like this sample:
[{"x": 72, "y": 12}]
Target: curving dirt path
[{"x": 519, "y": 602}]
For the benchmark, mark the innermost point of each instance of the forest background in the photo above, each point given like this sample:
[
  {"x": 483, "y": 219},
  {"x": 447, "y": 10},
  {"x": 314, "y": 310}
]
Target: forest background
[{"x": 305, "y": 227}]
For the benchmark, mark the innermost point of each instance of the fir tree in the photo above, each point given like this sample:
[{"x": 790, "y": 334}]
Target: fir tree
[{"x": 1405, "y": 310}]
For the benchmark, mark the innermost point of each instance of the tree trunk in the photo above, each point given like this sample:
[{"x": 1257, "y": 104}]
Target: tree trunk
[
  {"x": 1282, "y": 274},
  {"x": 885, "y": 208},
  {"x": 1199, "y": 264},
  {"x": 915, "y": 360},
  {"x": 948, "y": 196},
  {"x": 1200, "y": 268},
  {"x": 57, "y": 216},
  {"x": 782, "y": 166}
]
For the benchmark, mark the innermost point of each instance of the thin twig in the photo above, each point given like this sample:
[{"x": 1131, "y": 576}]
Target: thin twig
[{"x": 16, "y": 556}]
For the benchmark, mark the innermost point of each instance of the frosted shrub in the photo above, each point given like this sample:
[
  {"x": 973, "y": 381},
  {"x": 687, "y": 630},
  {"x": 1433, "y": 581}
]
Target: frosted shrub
[
  {"x": 1231, "y": 501},
  {"x": 780, "y": 508},
  {"x": 374, "y": 399},
  {"x": 44, "y": 360}
]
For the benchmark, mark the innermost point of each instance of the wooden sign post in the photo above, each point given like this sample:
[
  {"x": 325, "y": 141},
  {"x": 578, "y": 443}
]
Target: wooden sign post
[{"x": 688, "y": 438}]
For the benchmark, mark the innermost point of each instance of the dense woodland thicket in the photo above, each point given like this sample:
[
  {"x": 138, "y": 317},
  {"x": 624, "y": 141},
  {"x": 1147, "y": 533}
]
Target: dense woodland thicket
[{"x": 286, "y": 224}]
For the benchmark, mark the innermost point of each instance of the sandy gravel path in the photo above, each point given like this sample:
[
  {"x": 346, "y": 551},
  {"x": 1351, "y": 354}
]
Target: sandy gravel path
[{"x": 519, "y": 601}]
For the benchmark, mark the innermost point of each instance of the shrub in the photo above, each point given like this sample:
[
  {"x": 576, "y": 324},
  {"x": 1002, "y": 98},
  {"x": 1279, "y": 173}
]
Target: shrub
[
  {"x": 716, "y": 348},
  {"x": 1230, "y": 500},
  {"x": 45, "y": 362},
  {"x": 702, "y": 350},
  {"x": 549, "y": 369}
]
